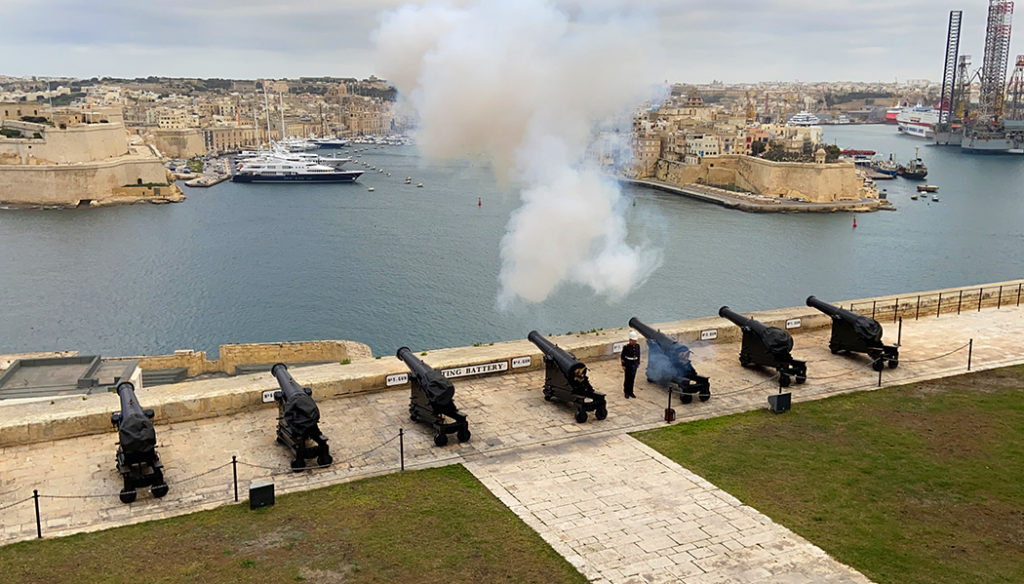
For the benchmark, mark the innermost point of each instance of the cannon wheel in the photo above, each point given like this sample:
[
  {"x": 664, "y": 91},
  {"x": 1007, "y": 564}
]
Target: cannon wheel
[
  {"x": 298, "y": 464},
  {"x": 463, "y": 434},
  {"x": 128, "y": 493},
  {"x": 784, "y": 380},
  {"x": 800, "y": 379},
  {"x": 601, "y": 413},
  {"x": 705, "y": 395},
  {"x": 745, "y": 363},
  {"x": 160, "y": 490},
  {"x": 440, "y": 439},
  {"x": 324, "y": 459},
  {"x": 581, "y": 415},
  {"x": 834, "y": 350},
  {"x": 548, "y": 395},
  {"x": 878, "y": 364},
  {"x": 894, "y": 363},
  {"x": 686, "y": 398}
]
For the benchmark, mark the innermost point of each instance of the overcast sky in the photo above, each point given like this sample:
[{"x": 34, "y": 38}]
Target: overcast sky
[{"x": 729, "y": 40}]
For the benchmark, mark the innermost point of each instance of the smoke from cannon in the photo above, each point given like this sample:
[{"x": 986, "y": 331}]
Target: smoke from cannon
[{"x": 669, "y": 365}]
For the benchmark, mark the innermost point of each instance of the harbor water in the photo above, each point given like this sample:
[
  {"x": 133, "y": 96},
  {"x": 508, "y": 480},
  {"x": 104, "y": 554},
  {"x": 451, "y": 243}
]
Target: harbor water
[{"x": 412, "y": 266}]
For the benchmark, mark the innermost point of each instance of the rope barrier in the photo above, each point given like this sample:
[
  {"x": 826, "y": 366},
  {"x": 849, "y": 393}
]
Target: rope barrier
[
  {"x": 961, "y": 348},
  {"x": 5, "y": 507},
  {"x": 276, "y": 470}
]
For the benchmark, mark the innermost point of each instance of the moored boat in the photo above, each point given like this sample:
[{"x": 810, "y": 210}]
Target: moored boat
[
  {"x": 927, "y": 188},
  {"x": 915, "y": 169}
]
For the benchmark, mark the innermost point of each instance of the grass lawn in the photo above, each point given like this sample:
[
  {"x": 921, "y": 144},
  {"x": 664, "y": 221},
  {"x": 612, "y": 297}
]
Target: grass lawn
[
  {"x": 429, "y": 526},
  {"x": 922, "y": 483}
]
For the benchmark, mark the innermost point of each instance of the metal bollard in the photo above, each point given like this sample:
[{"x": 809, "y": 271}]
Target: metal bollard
[
  {"x": 401, "y": 448},
  {"x": 234, "y": 471},
  {"x": 970, "y": 351},
  {"x": 39, "y": 524}
]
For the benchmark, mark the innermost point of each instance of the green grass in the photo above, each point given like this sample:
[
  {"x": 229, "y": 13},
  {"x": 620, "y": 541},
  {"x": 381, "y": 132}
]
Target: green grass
[
  {"x": 916, "y": 484},
  {"x": 429, "y": 526}
]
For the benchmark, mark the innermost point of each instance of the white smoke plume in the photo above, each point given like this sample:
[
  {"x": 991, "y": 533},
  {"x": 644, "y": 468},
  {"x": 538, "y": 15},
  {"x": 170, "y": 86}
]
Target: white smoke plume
[{"x": 523, "y": 84}]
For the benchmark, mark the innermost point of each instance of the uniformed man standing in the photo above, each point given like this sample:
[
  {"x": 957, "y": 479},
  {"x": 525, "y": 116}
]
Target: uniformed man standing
[{"x": 630, "y": 358}]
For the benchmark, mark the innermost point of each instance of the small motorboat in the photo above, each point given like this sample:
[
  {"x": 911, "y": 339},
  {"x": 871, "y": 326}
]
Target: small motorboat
[
  {"x": 927, "y": 188},
  {"x": 935, "y": 198},
  {"x": 913, "y": 196}
]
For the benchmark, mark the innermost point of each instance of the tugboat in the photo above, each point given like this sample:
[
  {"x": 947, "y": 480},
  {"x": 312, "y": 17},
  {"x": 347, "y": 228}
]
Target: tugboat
[{"x": 915, "y": 169}]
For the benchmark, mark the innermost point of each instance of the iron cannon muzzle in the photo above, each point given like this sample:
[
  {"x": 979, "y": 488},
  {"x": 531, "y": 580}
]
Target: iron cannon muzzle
[
  {"x": 573, "y": 369},
  {"x": 829, "y": 309}
]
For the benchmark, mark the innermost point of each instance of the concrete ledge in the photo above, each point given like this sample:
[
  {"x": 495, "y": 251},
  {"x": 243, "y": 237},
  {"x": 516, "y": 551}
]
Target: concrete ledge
[{"x": 26, "y": 422}]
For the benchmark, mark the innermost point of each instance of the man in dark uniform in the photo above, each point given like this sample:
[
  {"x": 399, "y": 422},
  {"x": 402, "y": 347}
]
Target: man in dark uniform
[{"x": 630, "y": 363}]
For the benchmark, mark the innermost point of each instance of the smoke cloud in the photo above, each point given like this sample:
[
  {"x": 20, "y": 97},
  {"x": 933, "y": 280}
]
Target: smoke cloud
[{"x": 524, "y": 85}]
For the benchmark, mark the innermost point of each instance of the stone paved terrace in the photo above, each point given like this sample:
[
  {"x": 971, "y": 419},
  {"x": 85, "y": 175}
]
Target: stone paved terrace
[{"x": 680, "y": 528}]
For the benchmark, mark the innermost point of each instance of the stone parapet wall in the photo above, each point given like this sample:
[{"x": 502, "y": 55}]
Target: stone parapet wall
[
  {"x": 233, "y": 356},
  {"x": 23, "y": 423},
  {"x": 184, "y": 143}
]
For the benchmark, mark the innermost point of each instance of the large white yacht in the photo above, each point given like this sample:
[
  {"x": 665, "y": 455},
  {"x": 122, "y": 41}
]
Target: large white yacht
[
  {"x": 803, "y": 118},
  {"x": 285, "y": 169}
]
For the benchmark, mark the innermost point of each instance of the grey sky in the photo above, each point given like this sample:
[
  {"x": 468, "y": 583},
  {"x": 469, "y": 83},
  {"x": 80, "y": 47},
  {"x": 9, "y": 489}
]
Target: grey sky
[{"x": 730, "y": 40}]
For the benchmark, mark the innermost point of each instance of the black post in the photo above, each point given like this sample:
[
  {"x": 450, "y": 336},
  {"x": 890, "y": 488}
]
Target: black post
[
  {"x": 873, "y": 303},
  {"x": 959, "y": 301},
  {"x": 999, "y": 302},
  {"x": 970, "y": 350},
  {"x": 880, "y": 377},
  {"x": 39, "y": 524},
  {"x": 917, "y": 313},
  {"x": 899, "y": 332},
  {"x": 1018, "y": 293},
  {"x": 939, "y": 308},
  {"x": 234, "y": 471},
  {"x": 401, "y": 447},
  {"x": 896, "y": 310},
  {"x": 981, "y": 292}
]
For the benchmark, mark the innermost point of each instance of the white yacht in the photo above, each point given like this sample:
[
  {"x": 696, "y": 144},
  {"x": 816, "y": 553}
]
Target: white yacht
[
  {"x": 283, "y": 169},
  {"x": 804, "y": 118}
]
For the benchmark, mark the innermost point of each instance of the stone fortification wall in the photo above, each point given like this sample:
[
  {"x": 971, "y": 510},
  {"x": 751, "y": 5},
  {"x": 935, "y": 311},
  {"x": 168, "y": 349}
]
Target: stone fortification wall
[
  {"x": 819, "y": 183},
  {"x": 24, "y": 423},
  {"x": 67, "y": 185},
  {"x": 233, "y": 356},
  {"x": 179, "y": 143},
  {"x": 81, "y": 143}
]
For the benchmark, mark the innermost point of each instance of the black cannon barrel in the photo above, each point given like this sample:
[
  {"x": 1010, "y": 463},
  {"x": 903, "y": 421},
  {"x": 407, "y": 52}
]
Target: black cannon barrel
[
  {"x": 289, "y": 386},
  {"x": 829, "y": 309},
  {"x": 418, "y": 367},
  {"x": 565, "y": 362},
  {"x": 663, "y": 340},
  {"x": 134, "y": 428},
  {"x": 740, "y": 320},
  {"x": 437, "y": 387}
]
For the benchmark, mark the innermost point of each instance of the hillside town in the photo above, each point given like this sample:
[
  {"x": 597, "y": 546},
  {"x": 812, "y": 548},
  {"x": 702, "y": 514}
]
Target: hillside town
[{"x": 69, "y": 142}]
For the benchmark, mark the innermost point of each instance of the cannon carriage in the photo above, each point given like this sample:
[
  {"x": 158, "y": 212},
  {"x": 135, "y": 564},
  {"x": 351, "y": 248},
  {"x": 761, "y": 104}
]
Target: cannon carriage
[
  {"x": 855, "y": 333},
  {"x": 137, "y": 460},
  {"x": 767, "y": 346},
  {"x": 565, "y": 379},
  {"x": 298, "y": 421},
  {"x": 432, "y": 399},
  {"x": 668, "y": 365}
]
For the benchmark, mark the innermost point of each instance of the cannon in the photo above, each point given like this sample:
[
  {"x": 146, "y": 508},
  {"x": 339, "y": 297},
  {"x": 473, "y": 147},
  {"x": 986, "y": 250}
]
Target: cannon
[
  {"x": 854, "y": 333},
  {"x": 668, "y": 365},
  {"x": 767, "y": 346},
  {"x": 298, "y": 420},
  {"x": 565, "y": 379},
  {"x": 137, "y": 460},
  {"x": 432, "y": 399}
]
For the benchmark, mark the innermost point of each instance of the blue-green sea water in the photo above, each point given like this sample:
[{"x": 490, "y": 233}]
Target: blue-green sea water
[{"x": 419, "y": 266}]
